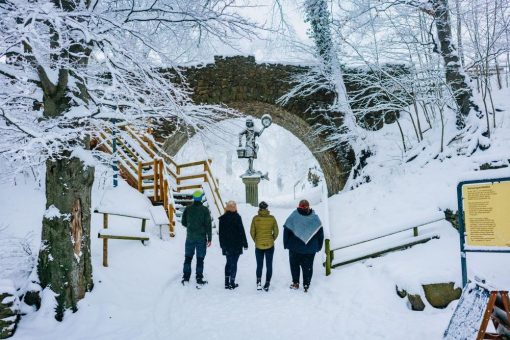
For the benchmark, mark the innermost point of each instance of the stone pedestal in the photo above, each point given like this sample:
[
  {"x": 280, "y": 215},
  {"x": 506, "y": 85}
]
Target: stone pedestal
[{"x": 251, "y": 185}]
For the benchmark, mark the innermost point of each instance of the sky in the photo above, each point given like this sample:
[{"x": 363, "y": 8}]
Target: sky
[{"x": 286, "y": 32}]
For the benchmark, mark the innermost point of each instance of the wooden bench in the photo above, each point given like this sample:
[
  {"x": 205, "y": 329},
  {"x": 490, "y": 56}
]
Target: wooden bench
[
  {"x": 119, "y": 233},
  {"x": 160, "y": 219}
]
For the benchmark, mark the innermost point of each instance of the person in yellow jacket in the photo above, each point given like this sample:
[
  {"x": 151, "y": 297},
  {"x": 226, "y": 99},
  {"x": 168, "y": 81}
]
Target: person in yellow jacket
[{"x": 264, "y": 231}]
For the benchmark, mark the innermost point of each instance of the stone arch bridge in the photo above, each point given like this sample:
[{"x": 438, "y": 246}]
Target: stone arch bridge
[{"x": 253, "y": 89}]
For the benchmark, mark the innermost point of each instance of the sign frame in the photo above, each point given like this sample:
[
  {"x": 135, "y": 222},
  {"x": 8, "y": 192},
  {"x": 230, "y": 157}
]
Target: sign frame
[{"x": 462, "y": 229}]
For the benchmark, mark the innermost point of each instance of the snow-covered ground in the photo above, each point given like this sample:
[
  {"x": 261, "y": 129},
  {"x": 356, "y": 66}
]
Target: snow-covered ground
[{"x": 139, "y": 296}]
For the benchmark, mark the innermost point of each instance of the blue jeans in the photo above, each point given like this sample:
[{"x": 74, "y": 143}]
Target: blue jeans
[
  {"x": 268, "y": 254},
  {"x": 189, "y": 251},
  {"x": 231, "y": 267}
]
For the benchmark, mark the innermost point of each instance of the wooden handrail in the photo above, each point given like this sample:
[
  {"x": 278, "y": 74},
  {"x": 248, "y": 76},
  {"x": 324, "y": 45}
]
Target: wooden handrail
[
  {"x": 159, "y": 151},
  {"x": 190, "y": 164},
  {"x": 400, "y": 230},
  {"x": 170, "y": 172},
  {"x": 187, "y": 187},
  {"x": 128, "y": 148},
  {"x": 109, "y": 145},
  {"x": 185, "y": 178},
  {"x": 215, "y": 184},
  {"x": 140, "y": 141}
]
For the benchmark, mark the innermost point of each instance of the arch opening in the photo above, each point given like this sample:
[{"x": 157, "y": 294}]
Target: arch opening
[
  {"x": 294, "y": 172},
  {"x": 333, "y": 172}
]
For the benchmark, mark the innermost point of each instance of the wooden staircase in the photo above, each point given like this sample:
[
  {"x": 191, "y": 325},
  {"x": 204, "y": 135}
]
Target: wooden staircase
[{"x": 148, "y": 168}]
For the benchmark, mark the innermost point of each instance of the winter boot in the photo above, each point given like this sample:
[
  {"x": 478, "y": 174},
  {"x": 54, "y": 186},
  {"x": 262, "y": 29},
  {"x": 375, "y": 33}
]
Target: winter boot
[
  {"x": 259, "y": 285},
  {"x": 201, "y": 281},
  {"x": 266, "y": 286},
  {"x": 233, "y": 284},
  {"x": 294, "y": 286},
  {"x": 227, "y": 282},
  {"x": 184, "y": 282},
  {"x": 306, "y": 287}
]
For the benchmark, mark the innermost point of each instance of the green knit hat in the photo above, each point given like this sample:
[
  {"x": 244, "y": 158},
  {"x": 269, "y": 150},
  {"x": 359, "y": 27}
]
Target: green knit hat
[{"x": 197, "y": 195}]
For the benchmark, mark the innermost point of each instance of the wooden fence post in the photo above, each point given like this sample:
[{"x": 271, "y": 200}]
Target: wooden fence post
[
  {"x": 171, "y": 218},
  {"x": 140, "y": 176},
  {"x": 161, "y": 179},
  {"x": 165, "y": 194},
  {"x": 105, "y": 242},
  {"x": 415, "y": 231},
  {"x": 155, "y": 179},
  {"x": 327, "y": 249}
]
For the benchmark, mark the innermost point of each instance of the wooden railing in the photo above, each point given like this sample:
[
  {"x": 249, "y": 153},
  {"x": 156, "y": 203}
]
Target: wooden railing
[
  {"x": 149, "y": 161},
  {"x": 175, "y": 170},
  {"x": 399, "y": 244}
]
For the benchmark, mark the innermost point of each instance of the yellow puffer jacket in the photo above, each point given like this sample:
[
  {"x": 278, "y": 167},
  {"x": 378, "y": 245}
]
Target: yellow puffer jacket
[{"x": 264, "y": 229}]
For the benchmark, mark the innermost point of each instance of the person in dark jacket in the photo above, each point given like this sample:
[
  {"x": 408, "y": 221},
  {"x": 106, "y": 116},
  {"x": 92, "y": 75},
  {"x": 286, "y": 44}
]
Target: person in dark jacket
[
  {"x": 303, "y": 236},
  {"x": 197, "y": 221},
  {"x": 232, "y": 241}
]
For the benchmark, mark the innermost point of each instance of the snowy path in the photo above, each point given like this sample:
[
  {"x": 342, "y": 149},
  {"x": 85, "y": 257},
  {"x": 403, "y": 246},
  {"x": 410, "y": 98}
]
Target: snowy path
[{"x": 140, "y": 297}]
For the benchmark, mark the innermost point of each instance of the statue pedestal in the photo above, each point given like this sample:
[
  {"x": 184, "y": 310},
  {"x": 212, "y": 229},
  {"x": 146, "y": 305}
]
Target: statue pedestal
[{"x": 251, "y": 185}]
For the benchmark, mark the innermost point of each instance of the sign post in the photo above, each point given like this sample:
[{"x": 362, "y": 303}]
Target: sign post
[{"x": 484, "y": 218}]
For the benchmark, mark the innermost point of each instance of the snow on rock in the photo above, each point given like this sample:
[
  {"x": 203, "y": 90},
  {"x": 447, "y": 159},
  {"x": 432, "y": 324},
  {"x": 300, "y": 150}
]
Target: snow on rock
[{"x": 9, "y": 308}]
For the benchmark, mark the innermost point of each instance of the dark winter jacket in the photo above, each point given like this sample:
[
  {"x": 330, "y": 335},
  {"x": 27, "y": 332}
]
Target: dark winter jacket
[
  {"x": 294, "y": 244},
  {"x": 232, "y": 234},
  {"x": 197, "y": 220}
]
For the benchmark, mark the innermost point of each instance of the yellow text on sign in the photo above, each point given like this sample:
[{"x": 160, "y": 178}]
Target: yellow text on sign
[{"x": 487, "y": 214}]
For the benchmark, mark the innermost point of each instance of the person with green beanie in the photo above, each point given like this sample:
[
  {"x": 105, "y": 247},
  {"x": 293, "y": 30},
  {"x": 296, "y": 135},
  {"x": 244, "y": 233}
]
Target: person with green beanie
[
  {"x": 264, "y": 231},
  {"x": 197, "y": 221}
]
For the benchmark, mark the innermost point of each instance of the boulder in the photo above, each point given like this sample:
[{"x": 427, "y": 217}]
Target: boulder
[
  {"x": 402, "y": 293},
  {"x": 439, "y": 295},
  {"x": 32, "y": 296},
  {"x": 415, "y": 302}
]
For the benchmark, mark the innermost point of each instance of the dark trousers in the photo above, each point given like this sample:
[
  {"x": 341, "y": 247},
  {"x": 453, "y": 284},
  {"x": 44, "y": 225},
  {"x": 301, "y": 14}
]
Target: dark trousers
[
  {"x": 231, "y": 267},
  {"x": 190, "y": 247},
  {"x": 268, "y": 254},
  {"x": 303, "y": 262}
]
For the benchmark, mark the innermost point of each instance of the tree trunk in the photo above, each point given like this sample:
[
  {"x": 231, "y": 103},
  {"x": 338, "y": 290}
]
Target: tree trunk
[
  {"x": 454, "y": 74},
  {"x": 64, "y": 259},
  {"x": 317, "y": 14},
  {"x": 459, "y": 32},
  {"x": 64, "y": 263}
]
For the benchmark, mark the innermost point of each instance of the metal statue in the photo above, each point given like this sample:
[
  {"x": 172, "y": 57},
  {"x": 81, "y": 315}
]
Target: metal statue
[{"x": 251, "y": 147}]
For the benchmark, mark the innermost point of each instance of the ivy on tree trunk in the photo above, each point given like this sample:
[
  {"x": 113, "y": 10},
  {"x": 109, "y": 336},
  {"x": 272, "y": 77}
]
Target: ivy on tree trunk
[
  {"x": 453, "y": 68},
  {"x": 64, "y": 259}
]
